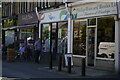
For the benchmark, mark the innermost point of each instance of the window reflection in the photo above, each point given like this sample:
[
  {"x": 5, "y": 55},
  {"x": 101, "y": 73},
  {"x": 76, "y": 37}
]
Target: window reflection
[
  {"x": 92, "y": 22},
  {"x": 62, "y": 37},
  {"x": 79, "y": 37},
  {"x": 46, "y": 37},
  {"x": 106, "y": 37}
]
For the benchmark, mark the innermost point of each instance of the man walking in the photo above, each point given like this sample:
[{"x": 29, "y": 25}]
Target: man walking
[{"x": 37, "y": 50}]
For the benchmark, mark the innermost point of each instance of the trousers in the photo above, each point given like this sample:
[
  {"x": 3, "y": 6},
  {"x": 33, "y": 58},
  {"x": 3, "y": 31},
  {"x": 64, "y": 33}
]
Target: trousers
[{"x": 37, "y": 54}]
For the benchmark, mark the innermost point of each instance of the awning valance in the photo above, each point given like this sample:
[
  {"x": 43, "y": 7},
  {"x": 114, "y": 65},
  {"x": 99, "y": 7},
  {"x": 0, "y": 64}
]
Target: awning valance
[
  {"x": 20, "y": 27},
  {"x": 9, "y": 28}
]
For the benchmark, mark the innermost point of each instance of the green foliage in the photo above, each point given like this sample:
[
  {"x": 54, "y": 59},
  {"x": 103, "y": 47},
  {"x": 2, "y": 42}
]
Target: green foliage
[{"x": 46, "y": 32}]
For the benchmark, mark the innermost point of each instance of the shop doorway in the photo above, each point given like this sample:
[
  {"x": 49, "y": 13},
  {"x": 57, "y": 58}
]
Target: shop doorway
[{"x": 91, "y": 44}]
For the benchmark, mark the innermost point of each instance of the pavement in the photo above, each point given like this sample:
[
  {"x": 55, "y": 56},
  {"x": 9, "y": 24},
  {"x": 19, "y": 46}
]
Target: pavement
[
  {"x": 31, "y": 70},
  {"x": 27, "y": 70}
]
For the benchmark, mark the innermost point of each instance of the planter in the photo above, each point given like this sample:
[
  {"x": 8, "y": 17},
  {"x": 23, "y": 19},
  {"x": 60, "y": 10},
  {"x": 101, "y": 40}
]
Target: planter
[{"x": 10, "y": 54}]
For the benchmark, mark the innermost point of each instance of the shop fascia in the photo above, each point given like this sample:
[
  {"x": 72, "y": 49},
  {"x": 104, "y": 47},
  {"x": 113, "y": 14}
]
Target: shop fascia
[
  {"x": 52, "y": 16},
  {"x": 94, "y": 10},
  {"x": 27, "y": 21},
  {"x": 56, "y": 15},
  {"x": 82, "y": 11},
  {"x": 100, "y": 9}
]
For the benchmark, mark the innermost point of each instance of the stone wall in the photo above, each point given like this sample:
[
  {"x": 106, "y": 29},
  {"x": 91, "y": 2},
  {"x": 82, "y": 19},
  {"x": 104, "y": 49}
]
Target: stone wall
[
  {"x": 105, "y": 65},
  {"x": 77, "y": 61},
  {"x": 108, "y": 65}
]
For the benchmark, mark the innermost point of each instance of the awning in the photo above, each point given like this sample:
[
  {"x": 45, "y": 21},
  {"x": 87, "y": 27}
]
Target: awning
[
  {"x": 9, "y": 28},
  {"x": 27, "y": 26},
  {"x": 20, "y": 27}
]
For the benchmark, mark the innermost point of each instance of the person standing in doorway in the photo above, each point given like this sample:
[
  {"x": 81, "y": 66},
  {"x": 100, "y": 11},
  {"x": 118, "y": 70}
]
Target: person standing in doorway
[{"x": 37, "y": 50}]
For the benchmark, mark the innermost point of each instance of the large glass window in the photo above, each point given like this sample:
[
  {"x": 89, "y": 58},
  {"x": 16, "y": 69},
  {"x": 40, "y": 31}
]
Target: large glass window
[
  {"x": 54, "y": 37},
  {"x": 26, "y": 36},
  {"x": 46, "y": 37},
  {"x": 62, "y": 37},
  {"x": 79, "y": 47},
  {"x": 106, "y": 37},
  {"x": 9, "y": 37}
]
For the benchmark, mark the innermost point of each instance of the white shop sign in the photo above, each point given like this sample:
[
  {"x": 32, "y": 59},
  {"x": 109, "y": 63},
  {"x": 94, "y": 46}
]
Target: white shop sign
[
  {"x": 94, "y": 9},
  {"x": 118, "y": 7},
  {"x": 59, "y": 15}
]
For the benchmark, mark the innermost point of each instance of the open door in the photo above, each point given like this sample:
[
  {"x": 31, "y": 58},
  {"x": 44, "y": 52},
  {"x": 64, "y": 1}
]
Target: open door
[{"x": 91, "y": 44}]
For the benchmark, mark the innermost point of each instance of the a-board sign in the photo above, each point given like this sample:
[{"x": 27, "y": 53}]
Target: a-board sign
[{"x": 66, "y": 59}]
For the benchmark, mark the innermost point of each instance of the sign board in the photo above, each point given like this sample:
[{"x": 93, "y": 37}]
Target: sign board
[
  {"x": 94, "y": 9},
  {"x": 66, "y": 59},
  {"x": 28, "y": 18},
  {"x": 118, "y": 8},
  {"x": 59, "y": 15}
]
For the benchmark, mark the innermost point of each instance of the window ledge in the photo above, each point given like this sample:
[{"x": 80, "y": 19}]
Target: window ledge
[
  {"x": 79, "y": 56},
  {"x": 105, "y": 59}
]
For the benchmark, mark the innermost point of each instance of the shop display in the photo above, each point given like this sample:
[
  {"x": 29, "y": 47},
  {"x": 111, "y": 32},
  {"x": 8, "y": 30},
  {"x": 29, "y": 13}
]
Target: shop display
[{"x": 106, "y": 49}]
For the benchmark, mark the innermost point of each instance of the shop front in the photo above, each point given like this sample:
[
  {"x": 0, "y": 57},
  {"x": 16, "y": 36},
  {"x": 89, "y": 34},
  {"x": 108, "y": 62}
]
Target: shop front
[
  {"x": 9, "y": 31},
  {"x": 53, "y": 32},
  {"x": 28, "y": 29},
  {"x": 95, "y": 31}
]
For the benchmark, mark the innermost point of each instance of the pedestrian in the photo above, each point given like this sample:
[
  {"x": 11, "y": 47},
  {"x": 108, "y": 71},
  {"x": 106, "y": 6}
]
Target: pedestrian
[
  {"x": 21, "y": 51},
  {"x": 37, "y": 50},
  {"x": 27, "y": 53}
]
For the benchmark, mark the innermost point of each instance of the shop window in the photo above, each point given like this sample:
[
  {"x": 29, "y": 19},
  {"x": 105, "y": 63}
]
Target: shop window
[
  {"x": 106, "y": 37},
  {"x": 54, "y": 37},
  {"x": 62, "y": 37},
  {"x": 46, "y": 37},
  {"x": 79, "y": 47},
  {"x": 92, "y": 22},
  {"x": 9, "y": 37},
  {"x": 27, "y": 36}
]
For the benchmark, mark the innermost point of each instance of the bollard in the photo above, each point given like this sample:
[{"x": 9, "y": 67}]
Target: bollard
[
  {"x": 60, "y": 63},
  {"x": 50, "y": 65},
  {"x": 83, "y": 67},
  {"x": 69, "y": 64}
]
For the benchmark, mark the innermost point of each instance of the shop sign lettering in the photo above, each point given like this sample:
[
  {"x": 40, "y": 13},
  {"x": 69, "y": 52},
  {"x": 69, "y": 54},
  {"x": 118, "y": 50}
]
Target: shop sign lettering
[
  {"x": 94, "y": 9},
  {"x": 28, "y": 18}
]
